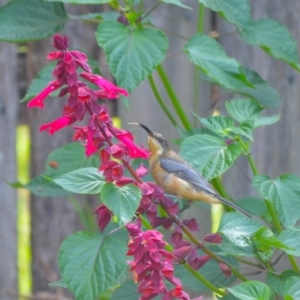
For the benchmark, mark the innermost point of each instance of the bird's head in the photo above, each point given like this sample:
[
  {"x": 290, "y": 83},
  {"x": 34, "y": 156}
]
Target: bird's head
[{"x": 156, "y": 142}]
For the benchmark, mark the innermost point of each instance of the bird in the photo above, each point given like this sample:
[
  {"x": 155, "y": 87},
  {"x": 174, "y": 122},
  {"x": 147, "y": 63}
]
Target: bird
[{"x": 176, "y": 177}]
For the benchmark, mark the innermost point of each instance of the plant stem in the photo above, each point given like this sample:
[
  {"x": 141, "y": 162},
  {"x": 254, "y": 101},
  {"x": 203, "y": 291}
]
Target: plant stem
[
  {"x": 161, "y": 101},
  {"x": 173, "y": 97}
]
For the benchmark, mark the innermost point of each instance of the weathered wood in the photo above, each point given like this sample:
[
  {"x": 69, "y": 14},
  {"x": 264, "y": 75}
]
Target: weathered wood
[{"x": 8, "y": 196}]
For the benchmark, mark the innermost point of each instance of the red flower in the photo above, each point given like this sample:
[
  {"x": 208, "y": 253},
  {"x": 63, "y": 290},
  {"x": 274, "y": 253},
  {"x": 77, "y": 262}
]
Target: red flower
[
  {"x": 58, "y": 124},
  {"x": 104, "y": 216},
  {"x": 110, "y": 90},
  {"x": 225, "y": 270},
  {"x": 213, "y": 238},
  {"x": 38, "y": 100}
]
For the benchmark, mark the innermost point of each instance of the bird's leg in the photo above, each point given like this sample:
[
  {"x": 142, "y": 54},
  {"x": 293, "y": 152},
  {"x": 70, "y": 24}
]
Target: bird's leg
[{"x": 186, "y": 205}]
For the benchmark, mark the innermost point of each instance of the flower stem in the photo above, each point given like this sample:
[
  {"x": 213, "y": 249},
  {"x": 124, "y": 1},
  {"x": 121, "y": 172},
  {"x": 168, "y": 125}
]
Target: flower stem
[
  {"x": 161, "y": 101},
  {"x": 173, "y": 97}
]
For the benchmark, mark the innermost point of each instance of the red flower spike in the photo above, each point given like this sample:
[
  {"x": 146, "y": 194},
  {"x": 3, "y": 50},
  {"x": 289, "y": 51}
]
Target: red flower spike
[
  {"x": 191, "y": 224},
  {"x": 225, "y": 270},
  {"x": 213, "y": 238},
  {"x": 58, "y": 124},
  {"x": 104, "y": 216},
  {"x": 38, "y": 101},
  {"x": 142, "y": 170}
]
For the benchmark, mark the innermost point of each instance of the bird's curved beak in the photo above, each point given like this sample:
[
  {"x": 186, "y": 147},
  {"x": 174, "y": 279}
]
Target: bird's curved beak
[{"x": 150, "y": 133}]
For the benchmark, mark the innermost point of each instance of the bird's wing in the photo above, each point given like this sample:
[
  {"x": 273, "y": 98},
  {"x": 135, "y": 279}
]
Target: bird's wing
[
  {"x": 193, "y": 177},
  {"x": 187, "y": 173}
]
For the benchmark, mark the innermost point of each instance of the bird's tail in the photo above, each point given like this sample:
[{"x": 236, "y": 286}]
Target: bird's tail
[{"x": 233, "y": 205}]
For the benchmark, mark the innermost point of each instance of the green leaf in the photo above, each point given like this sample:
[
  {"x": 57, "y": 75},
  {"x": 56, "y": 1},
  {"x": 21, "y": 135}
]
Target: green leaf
[
  {"x": 206, "y": 53},
  {"x": 82, "y": 181},
  {"x": 254, "y": 206},
  {"x": 176, "y": 2},
  {"x": 41, "y": 81},
  {"x": 22, "y": 21},
  {"x": 81, "y": 1},
  {"x": 234, "y": 11},
  {"x": 132, "y": 53},
  {"x": 264, "y": 239},
  {"x": 209, "y": 155},
  {"x": 218, "y": 124},
  {"x": 278, "y": 283},
  {"x": 238, "y": 228},
  {"x": 210, "y": 271},
  {"x": 261, "y": 90},
  {"x": 273, "y": 38},
  {"x": 92, "y": 263},
  {"x": 68, "y": 158},
  {"x": 291, "y": 238},
  {"x": 244, "y": 110},
  {"x": 251, "y": 290},
  {"x": 60, "y": 283},
  {"x": 229, "y": 247},
  {"x": 291, "y": 288},
  {"x": 122, "y": 201},
  {"x": 284, "y": 193},
  {"x": 127, "y": 291},
  {"x": 44, "y": 186},
  {"x": 245, "y": 129}
]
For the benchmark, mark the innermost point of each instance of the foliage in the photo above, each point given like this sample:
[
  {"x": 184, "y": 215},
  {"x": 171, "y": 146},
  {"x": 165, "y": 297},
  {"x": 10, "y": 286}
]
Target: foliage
[{"x": 94, "y": 263}]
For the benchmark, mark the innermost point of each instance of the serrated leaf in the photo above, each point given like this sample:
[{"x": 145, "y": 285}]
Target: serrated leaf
[
  {"x": 82, "y": 181},
  {"x": 68, "y": 158},
  {"x": 210, "y": 271},
  {"x": 91, "y": 263},
  {"x": 291, "y": 238},
  {"x": 22, "y": 21},
  {"x": 176, "y": 2},
  {"x": 132, "y": 53},
  {"x": 284, "y": 193},
  {"x": 244, "y": 110},
  {"x": 122, "y": 201},
  {"x": 278, "y": 282},
  {"x": 264, "y": 239},
  {"x": 238, "y": 228},
  {"x": 210, "y": 155},
  {"x": 234, "y": 11},
  {"x": 273, "y": 38},
  {"x": 291, "y": 288},
  {"x": 206, "y": 53},
  {"x": 44, "y": 186},
  {"x": 261, "y": 90},
  {"x": 218, "y": 124},
  {"x": 244, "y": 129},
  {"x": 251, "y": 290},
  {"x": 81, "y": 1}
]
